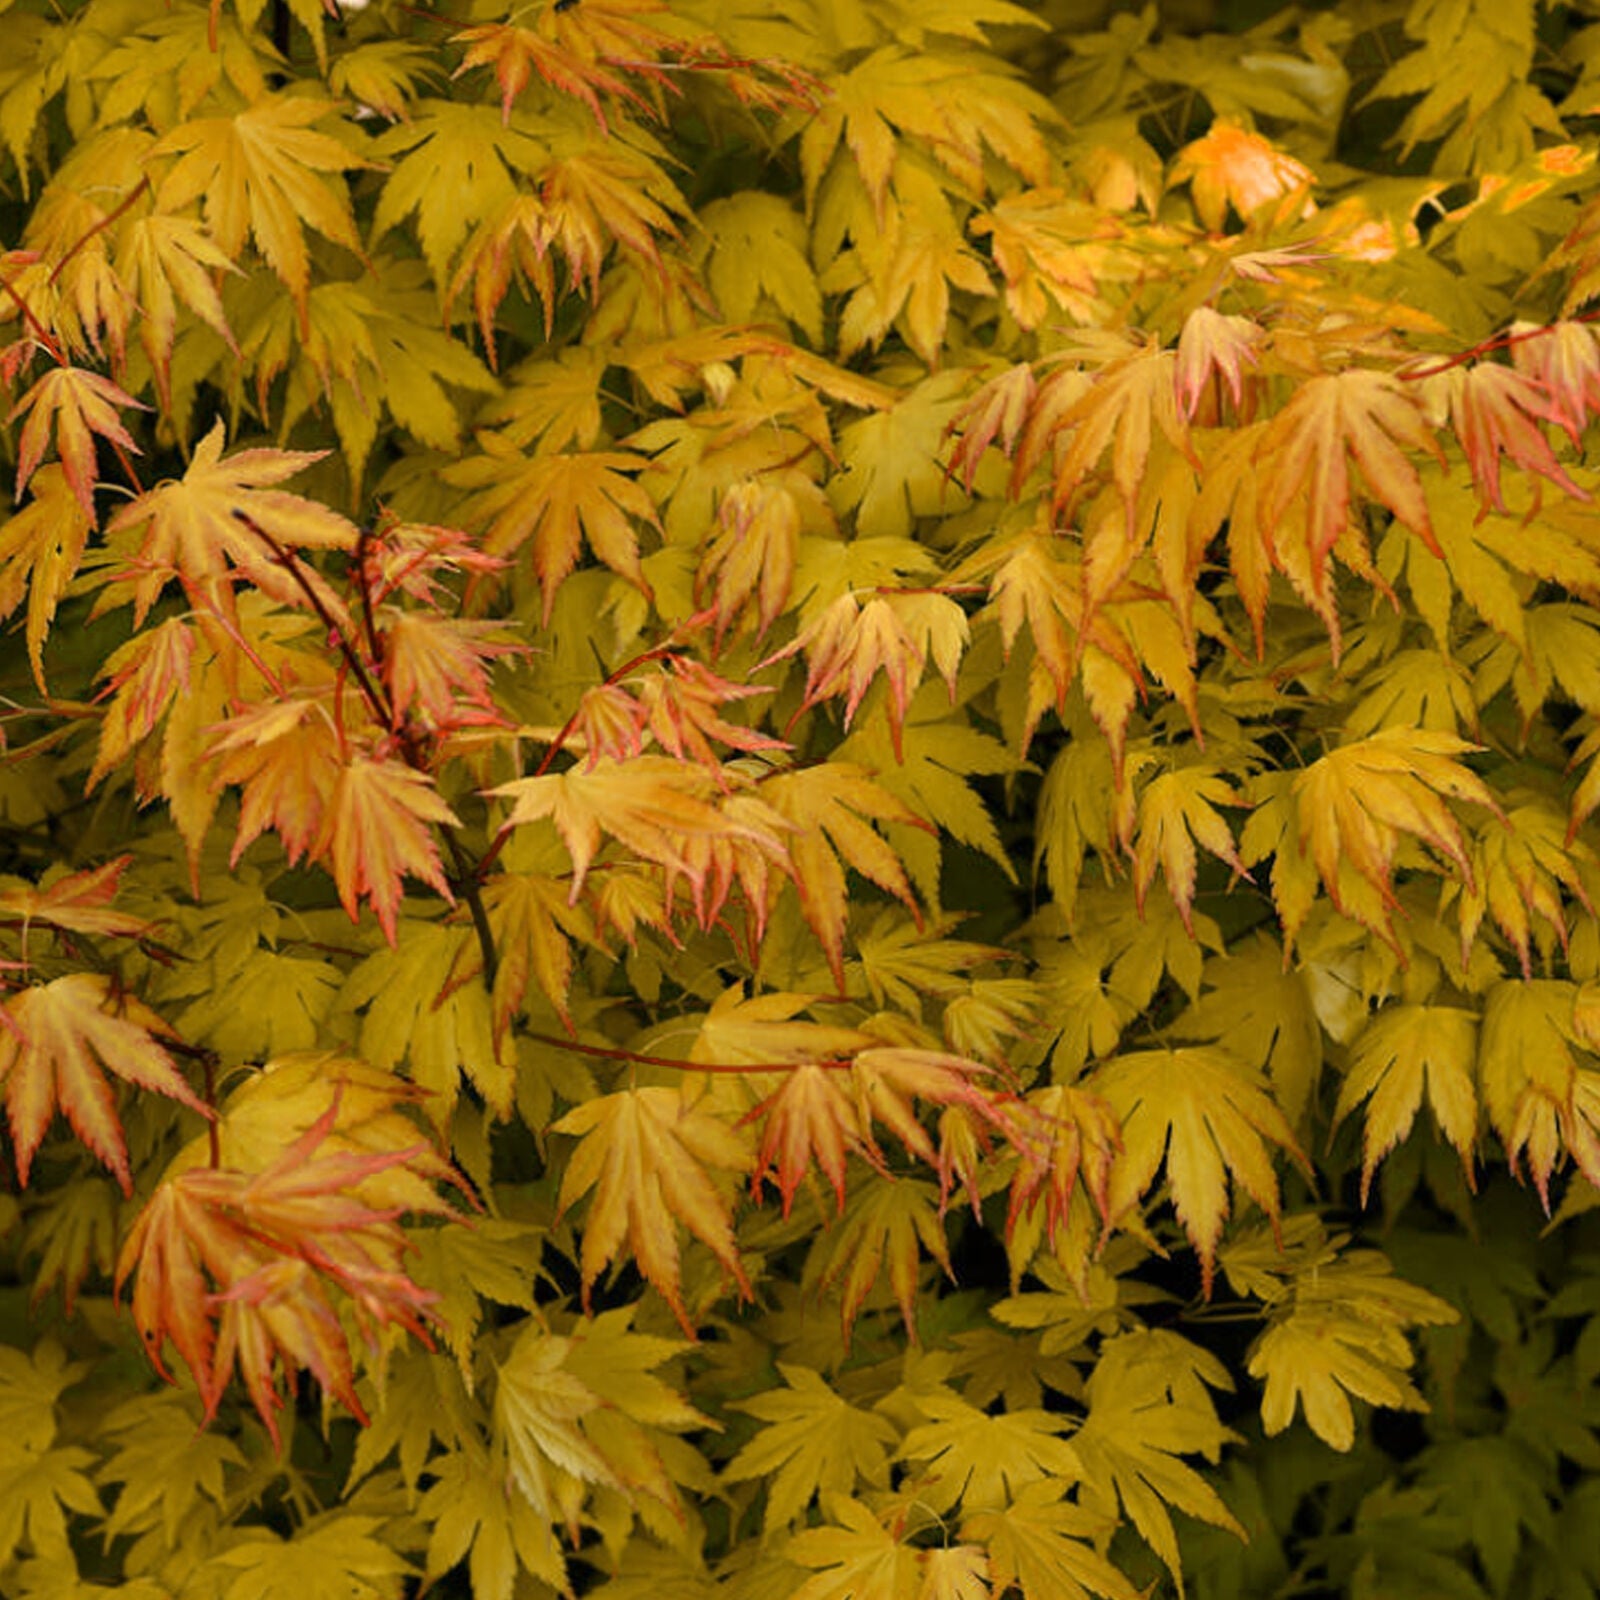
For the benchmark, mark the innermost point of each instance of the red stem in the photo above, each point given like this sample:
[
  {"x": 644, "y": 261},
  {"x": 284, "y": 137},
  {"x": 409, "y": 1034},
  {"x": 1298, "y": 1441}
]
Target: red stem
[{"x": 637, "y": 1058}]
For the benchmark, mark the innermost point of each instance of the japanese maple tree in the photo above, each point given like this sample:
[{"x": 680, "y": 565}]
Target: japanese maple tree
[{"x": 798, "y": 802}]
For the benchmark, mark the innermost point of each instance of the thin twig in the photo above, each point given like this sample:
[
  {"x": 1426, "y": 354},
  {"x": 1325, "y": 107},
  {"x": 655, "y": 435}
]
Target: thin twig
[
  {"x": 378, "y": 702},
  {"x": 638, "y": 1058},
  {"x": 105, "y": 222}
]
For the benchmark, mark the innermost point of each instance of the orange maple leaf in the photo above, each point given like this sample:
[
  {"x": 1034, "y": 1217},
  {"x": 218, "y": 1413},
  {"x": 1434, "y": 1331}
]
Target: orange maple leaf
[
  {"x": 54, "y": 1035},
  {"x": 81, "y": 404},
  {"x": 222, "y": 514},
  {"x": 653, "y": 805},
  {"x": 375, "y": 832},
  {"x": 849, "y": 644},
  {"x": 438, "y": 667},
  {"x": 285, "y": 756},
  {"x": 1231, "y": 164},
  {"x": 582, "y": 51},
  {"x": 1497, "y": 411},
  {"x": 77, "y": 902},
  {"x": 238, "y": 1267},
  {"x": 1362, "y": 414}
]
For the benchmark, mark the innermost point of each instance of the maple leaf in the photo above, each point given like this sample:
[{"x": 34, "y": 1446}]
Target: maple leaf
[
  {"x": 533, "y": 922},
  {"x": 644, "y": 1153},
  {"x": 1055, "y": 251},
  {"x": 833, "y": 807},
  {"x": 1355, "y": 803},
  {"x": 1149, "y": 1406},
  {"x": 1133, "y": 394},
  {"x": 1047, "y": 1547},
  {"x": 848, "y": 645},
  {"x": 1537, "y": 1095},
  {"x": 997, "y": 410},
  {"x": 339, "y": 1557},
  {"x": 164, "y": 261},
  {"x": 54, "y": 1035},
  {"x": 572, "y": 55},
  {"x": 1213, "y": 349},
  {"x": 375, "y": 831},
  {"x": 164, "y": 1463},
  {"x": 285, "y": 756},
  {"x": 258, "y": 173},
  {"x": 37, "y": 1489},
  {"x": 557, "y": 501},
  {"x": 1341, "y": 1332},
  {"x": 956, "y": 105},
  {"x": 1264, "y": 1013},
  {"x": 1403, "y": 1050},
  {"x": 476, "y": 1517},
  {"x": 809, "y": 1117},
  {"x": 857, "y": 1555},
  {"x": 654, "y": 805},
  {"x": 236, "y": 1267},
  {"x": 1497, "y": 411},
  {"x": 41, "y": 547},
  {"x": 678, "y": 708},
  {"x": 438, "y": 667},
  {"x": 1333, "y": 417},
  {"x": 1228, "y": 164},
  {"x": 208, "y": 525},
  {"x": 815, "y": 1442},
  {"x": 77, "y": 902},
  {"x": 80, "y": 403},
  {"x": 1208, "y": 1114},
  {"x": 982, "y": 1461},
  {"x": 883, "y": 1223},
  {"x": 1522, "y": 867},
  {"x": 1177, "y": 810},
  {"x": 751, "y": 557},
  {"x": 1065, "y": 1135},
  {"x": 540, "y": 1405},
  {"x": 421, "y": 1009}
]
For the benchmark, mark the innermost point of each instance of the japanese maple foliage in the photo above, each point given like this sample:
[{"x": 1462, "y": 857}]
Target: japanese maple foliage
[{"x": 755, "y": 757}]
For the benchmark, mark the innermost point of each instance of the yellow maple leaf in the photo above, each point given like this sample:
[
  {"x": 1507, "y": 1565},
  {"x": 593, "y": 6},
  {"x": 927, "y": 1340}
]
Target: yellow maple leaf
[
  {"x": 1403, "y": 1050},
  {"x": 1337, "y": 1328},
  {"x": 644, "y": 1153},
  {"x": 557, "y": 502},
  {"x": 40, "y": 548},
  {"x": 260, "y": 172},
  {"x": 1355, "y": 803},
  {"x": 1208, "y": 1115},
  {"x": 833, "y": 807},
  {"x": 815, "y": 1441},
  {"x": 1176, "y": 811},
  {"x": 1048, "y": 1547},
  {"x": 1149, "y": 1406}
]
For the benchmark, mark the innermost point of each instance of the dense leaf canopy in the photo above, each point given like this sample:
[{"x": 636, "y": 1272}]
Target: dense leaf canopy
[{"x": 799, "y": 801}]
